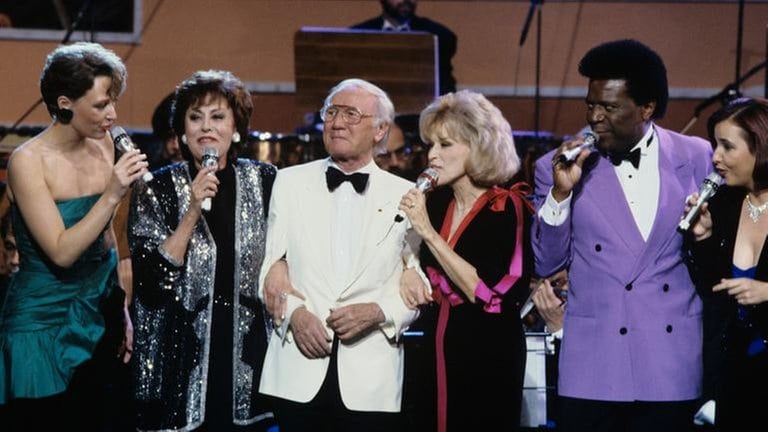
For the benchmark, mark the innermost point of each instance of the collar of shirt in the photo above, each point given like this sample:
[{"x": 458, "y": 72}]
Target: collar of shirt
[
  {"x": 644, "y": 145},
  {"x": 406, "y": 26},
  {"x": 367, "y": 169}
]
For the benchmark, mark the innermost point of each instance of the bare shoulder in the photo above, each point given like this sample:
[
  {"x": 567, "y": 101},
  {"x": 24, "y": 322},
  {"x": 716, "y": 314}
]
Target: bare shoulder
[
  {"x": 26, "y": 156},
  {"x": 25, "y": 166}
]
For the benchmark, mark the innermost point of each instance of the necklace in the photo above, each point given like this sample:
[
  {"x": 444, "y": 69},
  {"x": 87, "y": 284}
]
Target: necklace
[{"x": 756, "y": 211}]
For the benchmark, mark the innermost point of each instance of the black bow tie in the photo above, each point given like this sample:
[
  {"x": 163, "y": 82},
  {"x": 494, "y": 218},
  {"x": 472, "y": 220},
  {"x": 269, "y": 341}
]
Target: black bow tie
[
  {"x": 633, "y": 157},
  {"x": 334, "y": 178}
]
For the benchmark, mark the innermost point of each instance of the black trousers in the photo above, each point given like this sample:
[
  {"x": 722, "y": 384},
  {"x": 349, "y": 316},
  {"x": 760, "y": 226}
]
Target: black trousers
[
  {"x": 327, "y": 413},
  {"x": 584, "y": 415}
]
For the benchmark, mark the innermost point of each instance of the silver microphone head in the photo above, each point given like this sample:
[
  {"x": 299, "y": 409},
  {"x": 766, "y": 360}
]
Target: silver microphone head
[
  {"x": 590, "y": 138},
  {"x": 121, "y": 139},
  {"x": 713, "y": 180},
  {"x": 210, "y": 157}
]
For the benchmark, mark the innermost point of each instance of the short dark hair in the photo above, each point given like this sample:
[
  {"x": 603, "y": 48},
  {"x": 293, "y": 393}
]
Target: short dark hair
[
  {"x": 751, "y": 115},
  {"x": 70, "y": 70},
  {"x": 641, "y": 68},
  {"x": 161, "y": 119},
  {"x": 193, "y": 91}
]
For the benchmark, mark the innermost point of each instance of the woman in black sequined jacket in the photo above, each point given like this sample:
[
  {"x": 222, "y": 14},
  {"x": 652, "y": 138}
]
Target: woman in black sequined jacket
[{"x": 200, "y": 330}]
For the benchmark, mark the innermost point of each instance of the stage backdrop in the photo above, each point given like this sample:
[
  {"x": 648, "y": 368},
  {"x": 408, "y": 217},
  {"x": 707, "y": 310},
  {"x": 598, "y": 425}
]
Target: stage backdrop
[{"x": 254, "y": 39}]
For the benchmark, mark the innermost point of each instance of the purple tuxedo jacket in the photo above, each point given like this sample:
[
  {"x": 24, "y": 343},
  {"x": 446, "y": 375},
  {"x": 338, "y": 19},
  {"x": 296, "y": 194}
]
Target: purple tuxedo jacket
[{"x": 633, "y": 325}]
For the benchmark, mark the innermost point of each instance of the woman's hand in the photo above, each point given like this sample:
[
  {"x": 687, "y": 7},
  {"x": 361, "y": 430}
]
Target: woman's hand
[
  {"x": 413, "y": 291},
  {"x": 746, "y": 291},
  {"x": 131, "y": 166},
  {"x": 277, "y": 288},
  {"x": 126, "y": 347},
  {"x": 413, "y": 204},
  {"x": 205, "y": 185},
  {"x": 702, "y": 226}
]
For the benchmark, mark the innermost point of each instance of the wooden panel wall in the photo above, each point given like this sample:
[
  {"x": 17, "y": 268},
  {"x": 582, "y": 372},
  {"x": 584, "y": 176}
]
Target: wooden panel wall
[{"x": 254, "y": 39}]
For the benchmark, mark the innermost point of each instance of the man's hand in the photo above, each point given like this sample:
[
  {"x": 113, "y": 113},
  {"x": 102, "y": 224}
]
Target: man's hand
[
  {"x": 310, "y": 334},
  {"x": 351, "y": 321},
  {"x": 550, "y": 306},
  {"x": 566, "y": 175}
]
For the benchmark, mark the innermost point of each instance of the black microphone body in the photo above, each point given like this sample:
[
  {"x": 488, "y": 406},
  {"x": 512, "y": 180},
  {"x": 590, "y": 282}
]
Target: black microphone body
[
  {"x": 424, "y": 183},
  {"x": 708, "y": 188},
  {"x": 123, "y": 143},
  {"x": 210, "y": 160},
  {"x": 570, "y": 155}
]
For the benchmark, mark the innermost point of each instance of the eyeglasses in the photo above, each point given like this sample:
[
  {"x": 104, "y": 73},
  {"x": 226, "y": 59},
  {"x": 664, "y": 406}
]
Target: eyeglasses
[
  {"x": 402, "y": 152},
  {"x": 349, "y": 114}
]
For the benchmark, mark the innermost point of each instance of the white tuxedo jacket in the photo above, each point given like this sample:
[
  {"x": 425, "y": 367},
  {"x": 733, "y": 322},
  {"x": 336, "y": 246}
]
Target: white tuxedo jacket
[{"x": 371, "y": 368}]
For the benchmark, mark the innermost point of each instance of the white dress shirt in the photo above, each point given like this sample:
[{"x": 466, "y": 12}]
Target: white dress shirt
[
  {"x": 346, "y": 226},
  {"x": 640, "y": 186}
]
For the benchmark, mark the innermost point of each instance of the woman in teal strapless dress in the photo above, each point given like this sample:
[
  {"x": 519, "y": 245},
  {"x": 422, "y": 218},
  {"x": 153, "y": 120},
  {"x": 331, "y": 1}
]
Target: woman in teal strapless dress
[{"x": 61, "y": 322}]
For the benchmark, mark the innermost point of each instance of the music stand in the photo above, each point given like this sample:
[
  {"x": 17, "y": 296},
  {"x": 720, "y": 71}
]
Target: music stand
[{"x": 404, "y": 64}]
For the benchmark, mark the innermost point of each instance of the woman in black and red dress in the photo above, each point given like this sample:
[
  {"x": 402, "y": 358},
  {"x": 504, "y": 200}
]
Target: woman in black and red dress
[{"x": 477, "y": 256}]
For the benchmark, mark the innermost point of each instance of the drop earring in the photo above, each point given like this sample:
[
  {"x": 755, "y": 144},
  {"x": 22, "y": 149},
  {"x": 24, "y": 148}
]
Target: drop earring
[
  {"x": 236, "y": 137},
  {"x": 184, "y": 138}
]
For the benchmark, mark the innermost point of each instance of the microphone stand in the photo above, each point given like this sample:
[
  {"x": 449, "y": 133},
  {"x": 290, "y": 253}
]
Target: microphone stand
[
  {"x": 534, "y": 7},
  {"x": 73, "y": 25},
  {"x": 728, "y": 93}
]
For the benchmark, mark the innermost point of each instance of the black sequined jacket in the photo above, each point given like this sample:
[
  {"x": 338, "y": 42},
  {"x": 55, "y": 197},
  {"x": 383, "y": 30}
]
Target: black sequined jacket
[{"x": 172, "y": 307}]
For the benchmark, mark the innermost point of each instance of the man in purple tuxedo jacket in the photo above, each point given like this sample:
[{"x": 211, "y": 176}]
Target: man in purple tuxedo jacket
[{"x": 631, "y": 355}]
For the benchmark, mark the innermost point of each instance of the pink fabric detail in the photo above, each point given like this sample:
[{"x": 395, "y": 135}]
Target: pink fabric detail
[{"x": 438, "y": 280}]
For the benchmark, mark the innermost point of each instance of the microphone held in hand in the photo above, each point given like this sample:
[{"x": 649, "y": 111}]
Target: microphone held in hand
[
  {"x": 570, "y": 155},
  {"x": 708, "y": 188},
  {"x": 424, "y": 183},
  {"x": 124, "y": 144},
  {"x": 210, "y": 160}
]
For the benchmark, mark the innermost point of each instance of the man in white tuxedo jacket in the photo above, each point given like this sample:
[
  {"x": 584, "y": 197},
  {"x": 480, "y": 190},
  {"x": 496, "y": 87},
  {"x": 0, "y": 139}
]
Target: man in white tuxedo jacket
[{"x": 333, "y": 362}]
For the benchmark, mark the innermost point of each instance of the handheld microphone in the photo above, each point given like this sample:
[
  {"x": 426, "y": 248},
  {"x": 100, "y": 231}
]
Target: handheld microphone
[
  {"x": 528, "y": 305},
  {"x": 210, "y": 160},
  {"x": 424, "y": 183},
  {"x": 708, "y": 188},
  {"x": 570, "y": 155},
  {"x": 123, "y": 143}
]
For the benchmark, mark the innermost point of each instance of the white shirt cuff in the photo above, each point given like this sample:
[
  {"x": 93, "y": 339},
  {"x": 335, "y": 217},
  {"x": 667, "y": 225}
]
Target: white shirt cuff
[{"x": 555, "y": 213}]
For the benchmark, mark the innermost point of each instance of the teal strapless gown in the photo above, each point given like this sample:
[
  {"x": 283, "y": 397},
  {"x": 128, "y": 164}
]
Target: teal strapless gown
[{"x": 51, "y": 322}]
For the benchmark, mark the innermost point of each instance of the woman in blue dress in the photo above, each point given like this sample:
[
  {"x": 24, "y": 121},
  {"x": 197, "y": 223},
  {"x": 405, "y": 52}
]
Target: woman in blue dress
[
  {"x": 732, "y": 264},
  {"x": 62, "y": 323}
]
